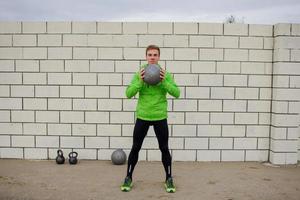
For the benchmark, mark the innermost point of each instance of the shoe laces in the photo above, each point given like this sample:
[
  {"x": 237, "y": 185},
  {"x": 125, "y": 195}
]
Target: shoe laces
[
  {"x": 127, "y": 181},
  {"x": 170, "y": 182}
]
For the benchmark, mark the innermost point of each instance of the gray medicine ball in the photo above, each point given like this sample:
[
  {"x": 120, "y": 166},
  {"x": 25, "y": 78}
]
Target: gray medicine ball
[
  {"x": 118, "y": 157},
  {"x": 152, "y": 74}
]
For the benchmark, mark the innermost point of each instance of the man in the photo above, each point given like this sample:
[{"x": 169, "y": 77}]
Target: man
[{"x": 151, "y": 110}]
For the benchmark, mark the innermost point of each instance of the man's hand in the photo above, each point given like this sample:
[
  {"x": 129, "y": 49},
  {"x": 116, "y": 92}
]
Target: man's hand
[
  {"x": 162, "y": 74},
  {"x": 142, "y": 74}
]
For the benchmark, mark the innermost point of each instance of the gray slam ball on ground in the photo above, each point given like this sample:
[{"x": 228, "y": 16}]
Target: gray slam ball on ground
[
  {"x": 152, "y": 74},
  {"x": 118, "y": 157}
]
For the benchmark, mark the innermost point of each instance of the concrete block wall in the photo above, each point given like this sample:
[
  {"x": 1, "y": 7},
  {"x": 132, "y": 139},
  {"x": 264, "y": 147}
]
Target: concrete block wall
[
  {"x": 62, "y": 85},
  {"x": 285, "y": 132}
]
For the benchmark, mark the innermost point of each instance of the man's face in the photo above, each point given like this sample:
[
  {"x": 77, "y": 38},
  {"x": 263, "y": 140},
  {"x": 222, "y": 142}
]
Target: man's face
[{"x": 152, "y": 56}]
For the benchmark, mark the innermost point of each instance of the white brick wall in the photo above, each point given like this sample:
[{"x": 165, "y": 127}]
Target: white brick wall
[
  {"x": 23, "y": 141},
  {"x": 72, "y": 142},
  {"x": 22, "y": 91},
  {"x": 176, "y": 41},
  {"x": 210, "y": 28},
  {"x": 84, "y": 129},
  {"x": 62, "y": 85},
  {"x": 27, "y": 65},
  {"x": 109, "y": 79},
  {"x": 4, "y": 90},
  {"x": 24, "y": 40},
  {"x": 185, "y": 28},
  {"x": 47, "y": 116},
  {"x": 236, "y": 55},
  {"x": 34, "y": 27},
  {"x": 184, "y": 155},
  {"x": 229, "y": 155},
  {"x": 260, "y": 30},
  {"x": 72, "y": 116},
  {"x": 47, "y": 141},
  {"x": 96, "y": 142},
  {"x": 34, "y": 129},
  {"x": 108, "y": 130},
  {"x": 22, "y": 116},
  {"x": 108, "y": 27},
  {"x": 251, "y": 42},
  {"x": 201, "y": 41},
  {"x": 160, "y": 28},
  {"x": 83, "y": 27},
  {"x": 226, "y": 42},
  {"x": 11, "y": 153},
  {"x": 284, "y": 149},
  {"x": 236, "y": 29},
  {"x": 233, "y": 130},
  {"x": 229, "y": 67},
  {"x": 10, "y": 27},
  {"x": 208, "y": 155},
  {"x": 59, "y": 129},
  {"x": 96, "y": 117},
  {"x": 35, "y": 153},
  {"x": 5, "y": 40},
  {"x": 197, "y": 118},
  {"x": 59, "y": 27},
  {"x": 256, "y": 155},
  {"x": 46, "y": 91},
  {"x": 71, "y": 91},
  {"x": 5, "y": 116}
]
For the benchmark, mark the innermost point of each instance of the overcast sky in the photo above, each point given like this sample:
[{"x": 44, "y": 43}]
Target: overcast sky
[{"x": 250, "y": 11}]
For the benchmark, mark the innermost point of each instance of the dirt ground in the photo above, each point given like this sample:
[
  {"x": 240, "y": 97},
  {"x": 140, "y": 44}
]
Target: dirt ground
[{"x": 91, "y": 180}]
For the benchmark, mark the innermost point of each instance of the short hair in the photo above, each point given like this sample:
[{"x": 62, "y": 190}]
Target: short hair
[{"x": 153, "y": 47}]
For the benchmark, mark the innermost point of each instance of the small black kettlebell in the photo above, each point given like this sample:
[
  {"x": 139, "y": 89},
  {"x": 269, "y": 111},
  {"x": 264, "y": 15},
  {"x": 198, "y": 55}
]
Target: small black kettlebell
[
  {"x": 73, "y": 157},
  {"x": 60, "y": 159}
]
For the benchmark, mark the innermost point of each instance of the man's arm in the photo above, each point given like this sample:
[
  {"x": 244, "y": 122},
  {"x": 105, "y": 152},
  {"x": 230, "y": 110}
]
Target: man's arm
[
  {"x": 135, "y": 85},
  {"x": 171, "y": 87}
]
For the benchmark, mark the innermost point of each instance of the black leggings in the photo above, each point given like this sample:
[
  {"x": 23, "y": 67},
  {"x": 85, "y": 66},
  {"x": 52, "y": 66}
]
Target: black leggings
[{"x": 139, "y": 133}]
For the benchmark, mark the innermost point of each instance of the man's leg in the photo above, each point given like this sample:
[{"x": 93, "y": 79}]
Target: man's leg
[
  {"x": 139, "y": 133},
  {"x": 162, "y": 134}
]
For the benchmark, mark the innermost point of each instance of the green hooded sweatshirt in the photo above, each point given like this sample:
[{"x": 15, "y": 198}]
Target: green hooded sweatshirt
[{"x": 152, "y": 102}]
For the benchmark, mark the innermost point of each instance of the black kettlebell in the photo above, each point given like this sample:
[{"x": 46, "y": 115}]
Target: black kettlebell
[
  {"x": 60, "y": 159},
  {"x": 73, "y": 157}
]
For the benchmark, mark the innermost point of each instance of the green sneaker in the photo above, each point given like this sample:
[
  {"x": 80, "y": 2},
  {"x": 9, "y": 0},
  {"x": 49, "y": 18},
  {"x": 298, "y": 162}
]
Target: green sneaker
[
  {"x": 169, "y": 185},
  {"x": 127, "y": 185}
]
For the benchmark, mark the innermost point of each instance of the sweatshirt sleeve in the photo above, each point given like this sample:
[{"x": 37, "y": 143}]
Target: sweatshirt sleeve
[
  {"x": 135, "y": 86},
  {"x": 170, "y": 86}
]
